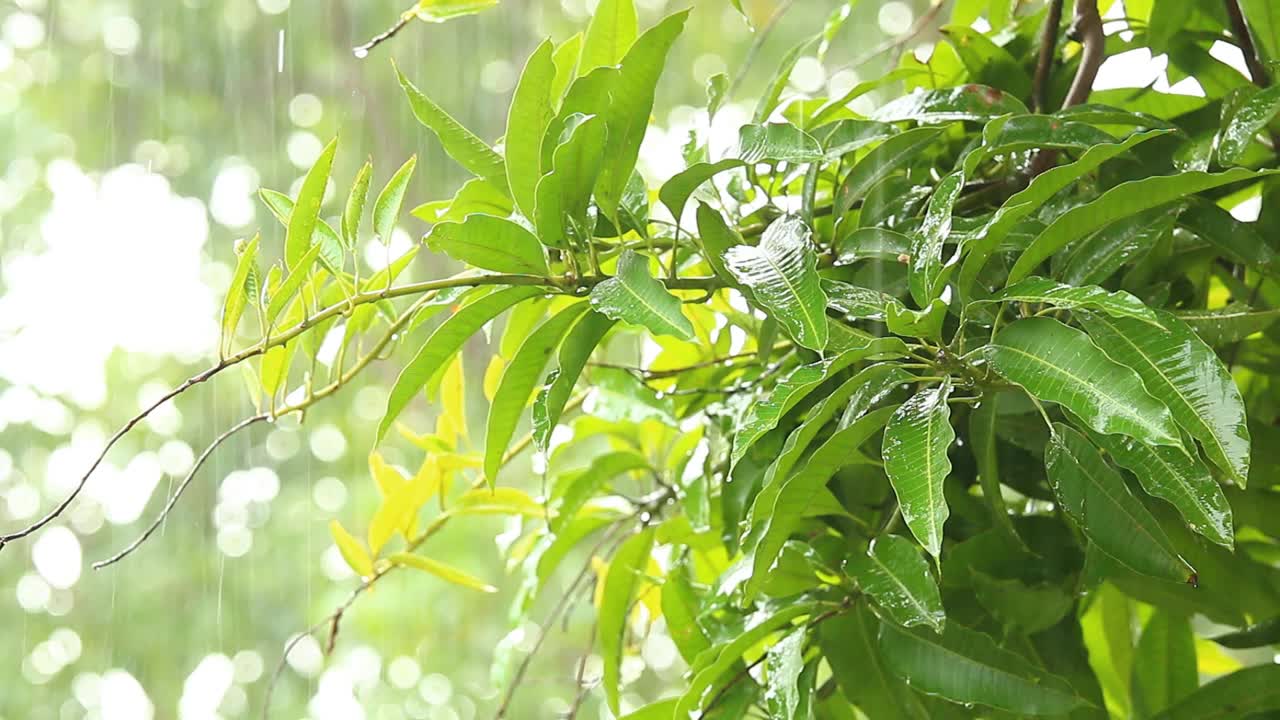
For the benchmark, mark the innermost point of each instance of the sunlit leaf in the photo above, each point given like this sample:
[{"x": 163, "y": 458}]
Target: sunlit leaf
[
  {"x": 352, "y": 551},
  {"x": 1250, "y": 693},
  {"x": 306, "y": 210},
  {"x": 445, "y": 572},
  {"x": 1091, "y": 297},
  {"x": 532, "y": 108},
  {"x": 461, "y": 144},
  {"x": 620, "y": 587},
  {"x": 491, "y": 243},
  {"x": 609, "y": 35},
  {"x": 386, "y": 209},
  {"x": 1164, "y": 669},
  {"x": 781, "y": 273},
  {"x": 637, "y": 298}
]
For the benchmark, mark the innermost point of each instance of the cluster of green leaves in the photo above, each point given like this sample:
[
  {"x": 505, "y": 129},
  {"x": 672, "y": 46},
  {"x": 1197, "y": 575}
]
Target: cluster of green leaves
[{"x": 922, "y": 423}]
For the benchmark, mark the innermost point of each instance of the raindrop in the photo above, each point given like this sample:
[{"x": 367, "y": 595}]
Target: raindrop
[{"x": 360, "y": 53}]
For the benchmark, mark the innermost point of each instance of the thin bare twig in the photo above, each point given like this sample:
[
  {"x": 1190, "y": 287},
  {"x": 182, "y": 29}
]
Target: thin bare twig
[{"x": 757, "y": 44}]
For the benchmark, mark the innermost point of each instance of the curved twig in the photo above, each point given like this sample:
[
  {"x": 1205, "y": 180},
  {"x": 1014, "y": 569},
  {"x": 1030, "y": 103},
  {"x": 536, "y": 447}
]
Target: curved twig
[
  {"x": 1044, "y": 63},
  {"x": 1087, "y": 26}
]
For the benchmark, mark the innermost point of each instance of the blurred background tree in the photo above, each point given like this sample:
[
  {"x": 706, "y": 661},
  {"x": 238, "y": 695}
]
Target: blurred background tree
[{"x": 134, "y": 137}]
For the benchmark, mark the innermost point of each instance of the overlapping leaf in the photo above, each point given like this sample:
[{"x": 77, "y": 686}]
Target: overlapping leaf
[
  {"x": 636, "y": 297},
  {"x": 915, "y": 459},
  {"x": 897, "y": 578},
  {"x": 781, "y": 273}
]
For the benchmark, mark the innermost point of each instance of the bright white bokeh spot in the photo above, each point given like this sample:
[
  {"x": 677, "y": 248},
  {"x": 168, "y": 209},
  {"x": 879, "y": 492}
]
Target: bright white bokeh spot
[
  {"x": 305, "y": 658},
  {"x": 404, "y": 672},
  {"x": 273, "y": 7},
  {"x": 327, "y": 443},
  {"x": 498, "y": 76},
  {"x": 23, "y": 30},
  {"x": 329, "y": 494},
  {"x": 33, "y": 593},
  {"x": 335, "y": 698},
  {"x": 248, "y": 666},
  {"x": 895, "y": 18},
  {"x": 808, "y": 75},
  {"x": 56, "y": 555},
  {"x": 305, "y": 110},
  {"x": 436, "y": 689},
  {"x": 121, "y": 697},
  {"x": 120, "y": 34},
  {"x": 232, "y": 201},
  {"x": 123, "y": 494},
  {"x": 303, "y": 148},
  {"x": 205, "y": 688},
  {"x": 235, "y": 541}
]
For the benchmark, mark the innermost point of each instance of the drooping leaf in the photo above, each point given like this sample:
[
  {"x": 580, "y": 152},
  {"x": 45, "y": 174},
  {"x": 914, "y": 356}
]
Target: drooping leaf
[
  {"x": 619, "y": 590},
  {"x": 1096, "y": 498},
  {"x": 851, "y": 646},
  {"x": 1261, "y": 634},
  {"x": 887, "y": 158},
  {"x": 894, "y": 575},
  {"x": 574, "y": 353},
  {"x": 386, "y": 209},
  {"x": 518, "y": 383},
  {"x": 783, "y": 667},
  {"x": 1249, "y": 119},
  {"x": 1164, "y": 669},
  {"x": 609, "y": 36},
  {"x": 1238, "y": 241},
  {"x": 1185, "y": 482},
  {"x": 916, "y": 442},
  {"x": 1060, "y": 364},
  {"x": 967, "y": 667},
  {"x": 781, "y": 273},
  {"x": 970, "y": 102},
  {"x": 1184, "y": 373},
  {"x": 1096, "y": 258},
  {"x": 306, "y": 210},
  {"x": 1120, "y": 201},
  {"x": 636, "y": 297},
  {"x": 491, "y": 243},
  {"x": 443, "y": 571},
  {"x": 581, "y": 486},
  {"x": 1091, "y": 297},
  {"x": 983, "y": 439},
  {"x": 1250, "y": 693},
  {"x": 443, "y": 343},
  {"x": 461, "y": 144}
]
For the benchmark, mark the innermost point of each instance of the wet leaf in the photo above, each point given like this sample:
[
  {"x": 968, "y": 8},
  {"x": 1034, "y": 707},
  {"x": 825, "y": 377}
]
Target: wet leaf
[
  {"x": 491, "y": 243},
  {"x": 636, "y": 297},
  {"x": 1097, "y": 499},
  {"x": 1249, "y": 693},
  {"x": 352, "y": 551},
  {"x": 386, "y": 209},
  {"x": 1091, "y": 297},
  {"x": 887, "y": 158},
  {"x": 894, "y": 575},
  {"x": 353, "y": 211},
  {"x": 1249, "y": 119},
  {"x": 1164, "y": 669},
  {"x": 781, "y": 273},
  {"x": 461, "y": 144},
  {"x": 306, "y": 211},
  {"x": 970, "y": 102},
  {"x": 916, "y": 442},
  {"x": 610, "y": 34}
]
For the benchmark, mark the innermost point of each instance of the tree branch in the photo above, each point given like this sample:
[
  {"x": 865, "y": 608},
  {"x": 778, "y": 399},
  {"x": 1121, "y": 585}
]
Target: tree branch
[
  {"x": 1048, "y": 50},
  {"x": 1087, "y": 26},
  {"x": 1244, "y": 40}
]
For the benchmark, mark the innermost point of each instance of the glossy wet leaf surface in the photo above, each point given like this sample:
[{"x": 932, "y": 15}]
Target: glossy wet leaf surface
[
  {"x": 781, "y": 273},
  {"x": 897, "y": 577},
  {"x": 916, "y": 443}
]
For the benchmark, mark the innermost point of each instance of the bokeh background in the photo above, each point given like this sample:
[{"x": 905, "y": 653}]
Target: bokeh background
[{"x": 134, "y": 135}]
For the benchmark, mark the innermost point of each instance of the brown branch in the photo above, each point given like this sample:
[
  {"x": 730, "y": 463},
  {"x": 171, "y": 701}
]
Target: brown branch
[
  {"x": 1048, "y": 50},
  {"x": 1244, "y": 40},
  {"x": 1087, "y": 26}
]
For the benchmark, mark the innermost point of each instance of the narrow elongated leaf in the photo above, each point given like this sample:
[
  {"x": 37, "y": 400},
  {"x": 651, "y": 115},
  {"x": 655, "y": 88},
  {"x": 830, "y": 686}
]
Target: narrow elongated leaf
[
  {"x": 492, "y": 243},
  {"x": 1120, "y": 201},
  {"x": 716, "y": 237},
  {"x": 802, "y": 488},
  {"x": 518, "y": 382},
  {"x": 445, "y": 572},
  {"x": 352, "y": 551},
  {"x": 532, "y": 108},
  {"x": 386, "y": 209},
  {"x": 306, "y": 210},
  {"x": 1164, "y": 669},
  {"x": 970, "y": 102},
  {"x": 915, "y": 459},
  {"x": 1249, "y": 119},
  {"x": 239, "y": 294},
  {"x": 1096, "y": 498},
  {"x": 675, "y": 192},
  {"x": 887, "y": 158},
  {"x": 1091, "y": 297},
  {"x": 926, "y": 256},
  {"x": 1250, "y": 693},
  {"x": 1261, "y": 634},
  {"x": 353, "y": 211},
  {"x": 1060, "y": 364},
  {"x": 628, "y": 113},
  {"x": 1230, "y": 324},
  {"x": 1184, "y": 373},
  {"x": 680, "y": 607},
  {"x": 636, "y": 297},
  {"x": 859, "y": 303},
  {"x": 713, "y": 663},
  {"x": 1238, "y": 241},
  {"x": 443, "y": 343},
  {"x": 619, "y": 589},
  {"x": 983, "y": 439},
  {"x": 290, "y": 285},
  {"x": 850, "y": 643},
  {"x": 609, "y": 36},
  {"x": 893, "y": 574},
  {"x": 574, "y": 353},
  {"x": 765, "y": 413},
  {"x": 1096, "y": 258},
  {"x": 331, "y": 245},
  {"x": 581, "y": 486},
  {"x": 461, "y": 144},
  {"x": 1185, "y": 482},
  {"x": 1031, "y": 198},
  {"x": 966, "y": 666},
  {"x": 564, "y": 194},
  {"x": 783, "y": 666},
  {"x": 782, "y": 274}
]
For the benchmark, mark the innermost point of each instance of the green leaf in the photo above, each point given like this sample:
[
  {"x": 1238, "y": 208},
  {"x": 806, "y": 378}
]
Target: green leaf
[
  {"x": 1184, "y": 482},
  {"x": 1164, "y": 669},
  {"x": 1060, "y": 364},
  {"x": 637, "y": 298},
  {"x": 475, "y": 196},
  {"x": 799, "y": 490},
  {"x": 716, "y": 237},
  {"x": 579, "y": 487},
  {"x": 239, "y": 294},
  {"x": 1096, "y": 258},
  {"x": 610, "y": 34},
  {"x": 442, "y": 10},
  {"x": 1252, "y": 693},
  {"x": 781, "y": 273},
  {"x": 306, "y": 211},
  {"x": 331, "y": 251},
  {"x": 926, "y": 277},
  {"x": 386, "y": 209},
  {"x": 988, "y": 62},
  {"x": 764, "y": 414},
  {"x": 574, "y": 354},
  {"x": 1250, "y": 119},
  {"x": 354, "y": 209},
  {"x": 772, "y": 95},
  {"x": 352, "y": 551},
  {"x": 1097, "y": 499},
  {"x": 632, "y": 103},
  {"x": 532, "y": 109},
  {"x": 441, "y": 346},
  {"x": 967, "y": 667},
  {"x": 894, "y": 575},
  {"x": 1119, "y": 202},
  {"x": 887, "y": 158},
  {"x": 448, "y": 573},
  {"x": 970, "y": 102},
  {"x": 1027, "y": 201},
  {"x": 1238, "y": 241},
  {"x": 845, "y": 136},
  {"x": 300, "y": 273},
  {"x": 461, "y": 144},
  {"x": 1090, "y": 297},
  {"x": 566, "y": 59},
  {"x": 620, "y": 584},
  {"x": 717, "y": 91},
  {"x": 1261, "y": 634},
  {"x": 983, "y": 421},
  {"x": 1184, "y": 373},
  {"x": 518, "y": 382},
  {"x": 916, "y": 442},
  {"x": 713, "y": 663},
  {"x": 661, "y": 710},
  {"x": 680, "y": 609},
  {"x": 492, "y": 243},
  {"x": 872, "y": 243},
  {"x": 859, "y": 303},
  {"x": 849, "y": 643},
  {"x": 564, "y": 194},
  {"x": 783, "y": 665},
  {"x": 675, "y": 192}
]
